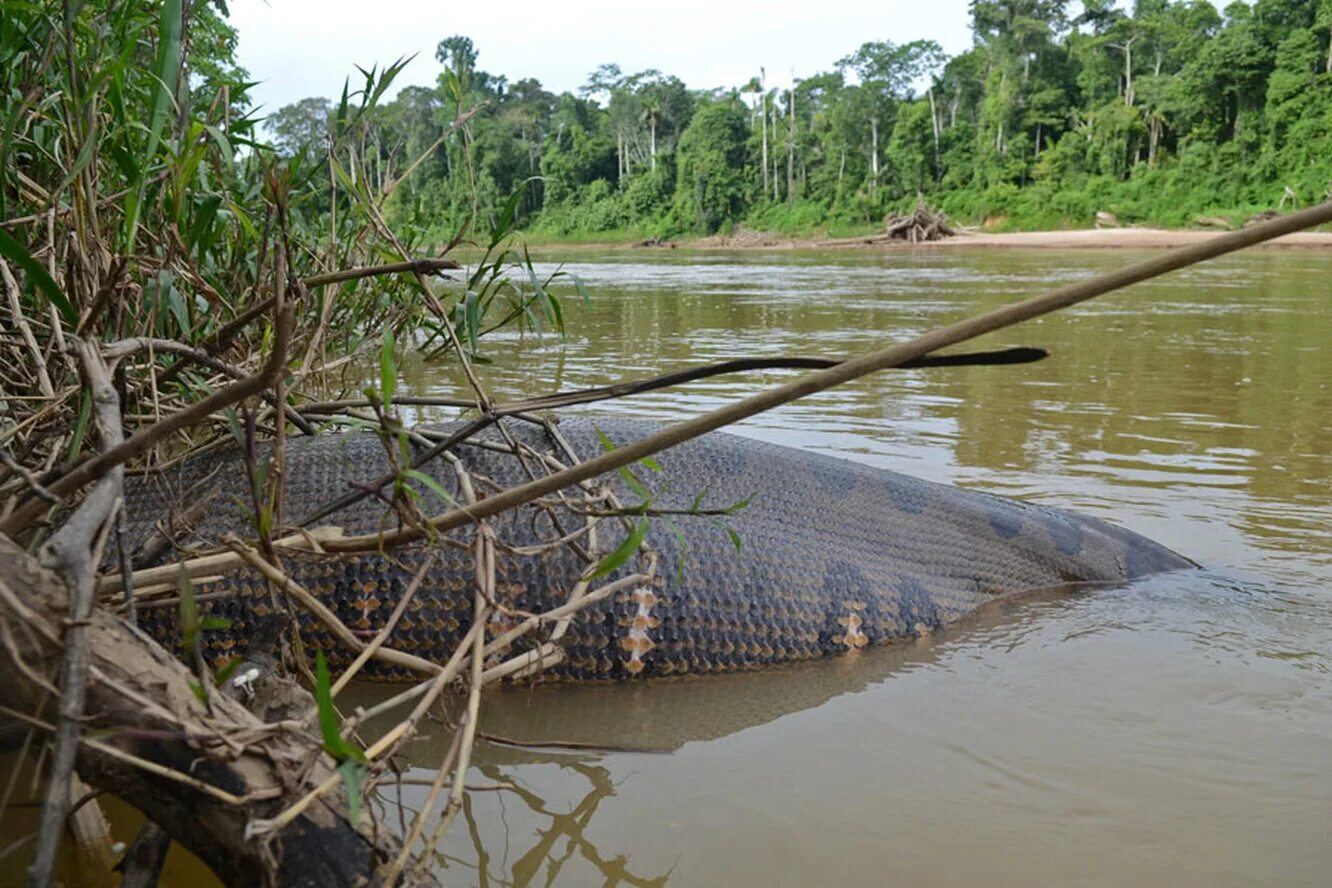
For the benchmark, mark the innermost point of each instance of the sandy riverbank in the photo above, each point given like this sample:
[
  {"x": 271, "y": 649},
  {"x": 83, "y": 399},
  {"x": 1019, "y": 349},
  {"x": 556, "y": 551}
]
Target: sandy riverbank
[
  {"x": 1122, "y": 238},
  {"x": 1088, "y": 239}
]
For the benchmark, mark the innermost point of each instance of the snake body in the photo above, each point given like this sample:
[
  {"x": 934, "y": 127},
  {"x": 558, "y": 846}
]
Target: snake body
[{"x": 832, "y": 555}]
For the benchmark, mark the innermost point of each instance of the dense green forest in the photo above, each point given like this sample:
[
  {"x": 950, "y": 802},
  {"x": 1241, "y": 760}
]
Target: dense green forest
[{"x": 1159, "y": 114}]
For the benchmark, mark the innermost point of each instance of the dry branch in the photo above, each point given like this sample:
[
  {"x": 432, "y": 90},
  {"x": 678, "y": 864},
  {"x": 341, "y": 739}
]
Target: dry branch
[
  {"x": 142, "y": 442},
  {"x": 923, "y": 223},
  {"x": 139, "y": 698}
]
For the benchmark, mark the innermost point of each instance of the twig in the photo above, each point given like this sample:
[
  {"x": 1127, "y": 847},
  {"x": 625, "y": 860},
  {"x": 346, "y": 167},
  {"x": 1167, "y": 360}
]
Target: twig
[
  {"x": 140, "y": 443},
  {"x": 28, "y": 478},
  {"x": 679, "y": 377},
  {"x": 485, "y": 563},
  {"x": 72, "y": 552},
  {"x": 418, "y": 823},
  {"x": 415, "y": 266},
  {"x": 215, "y": 562},
  {"x": 382, "y": 635},
  {"x": 268, "y": 792},
  {"x": 326, "y": 616},
  {"x": 395, "y": 735},
  {"x": 124, "y": 347},
  {"x": 500, "y": 740},
  {"x": 16, "y": 315}
]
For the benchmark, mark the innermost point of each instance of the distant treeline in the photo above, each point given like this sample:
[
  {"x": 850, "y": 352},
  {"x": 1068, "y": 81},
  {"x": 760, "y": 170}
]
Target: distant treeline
[{"x": 1164, "y": 114}]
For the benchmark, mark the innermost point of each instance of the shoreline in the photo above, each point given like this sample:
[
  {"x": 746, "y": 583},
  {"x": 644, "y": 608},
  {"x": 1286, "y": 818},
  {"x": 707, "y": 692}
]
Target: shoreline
[{"x": 1080, "y": 239}]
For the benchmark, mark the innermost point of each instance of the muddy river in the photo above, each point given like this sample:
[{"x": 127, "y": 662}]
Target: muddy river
[{"x": 1174, "y": 731}]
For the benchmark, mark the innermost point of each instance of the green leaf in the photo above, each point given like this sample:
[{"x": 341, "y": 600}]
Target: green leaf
[
  {"x": 434, "y": 486},
  {"x": 388, "y": 370},
  {"x": 228, "y": 670},
  {"x": 622, "y": 552},
  {"x": 635, "y": 485},
  {"x": 737, "y": 506},
  {"x": 233, "y": 421},
  {"x": 189, "y": 611},
  {"x": 629, "y": 477},
  {"x": 684, "y": 548},
  {"x": 37, "y": 275},
  {"x": 165, "y": 72},
  {"x": 334, "y": 743},
  {"x": 203, "y": 220},
  {"x": 167, "y": 292},
  {"x": 353, "y": 773},
  {"x": 85, "y": 155},
  {"x": 81, "y": 424},
  {"x": 472, "y": 318},
  {"x": 506, "y": 216}
]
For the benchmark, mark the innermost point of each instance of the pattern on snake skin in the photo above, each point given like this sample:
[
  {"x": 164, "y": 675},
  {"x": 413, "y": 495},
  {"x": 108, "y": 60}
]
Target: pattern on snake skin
[{"x": 835, "y": 555}]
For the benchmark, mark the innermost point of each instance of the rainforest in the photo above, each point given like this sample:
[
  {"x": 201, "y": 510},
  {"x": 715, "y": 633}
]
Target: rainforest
[{"x": 1167, "y": 113}]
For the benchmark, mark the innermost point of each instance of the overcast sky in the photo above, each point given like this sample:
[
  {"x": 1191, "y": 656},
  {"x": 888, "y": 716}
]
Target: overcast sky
[{"x": 302, "y": 48}]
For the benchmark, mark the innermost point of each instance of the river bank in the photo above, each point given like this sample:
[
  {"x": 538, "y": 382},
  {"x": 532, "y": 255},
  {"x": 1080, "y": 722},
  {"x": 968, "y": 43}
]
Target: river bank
[{"x": 1085, "y": 239}]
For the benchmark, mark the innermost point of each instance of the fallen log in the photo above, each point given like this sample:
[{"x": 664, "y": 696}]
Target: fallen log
[
  {"x": 202, "y": 771},
  {"x": 924, "y": 223}
]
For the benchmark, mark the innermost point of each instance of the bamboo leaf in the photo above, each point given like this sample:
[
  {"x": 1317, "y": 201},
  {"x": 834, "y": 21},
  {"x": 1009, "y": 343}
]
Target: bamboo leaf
[
  {"x": 388, "y": 371},
  {"x": 37, "y": 275},
  {"x": 684, "y": 548},
  {"x": 738, "y": 505},
  {"x": 352, "y": 775},
  {"x": 622, "y": 552},
  {"x": 165, "y": 71},
  {"x": 434, "y": 486},
  {"x": 81, "y": 424},
  {"x": 334, "y": 743},
  {"x": 472, "y": 318},
  {"x": 189, "y": 611},
  {"x": 228, "y": 670}
]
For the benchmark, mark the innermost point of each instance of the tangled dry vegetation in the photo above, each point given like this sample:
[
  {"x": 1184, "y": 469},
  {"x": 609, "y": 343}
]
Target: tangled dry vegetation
[{"x": 171, "y": 286}]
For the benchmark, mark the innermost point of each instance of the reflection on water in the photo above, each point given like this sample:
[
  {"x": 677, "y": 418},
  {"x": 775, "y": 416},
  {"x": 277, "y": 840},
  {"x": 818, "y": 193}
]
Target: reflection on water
[{"x": 1172, "y": 730}]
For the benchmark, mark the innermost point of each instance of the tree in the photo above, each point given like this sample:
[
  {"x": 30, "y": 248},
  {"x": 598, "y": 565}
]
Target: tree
[
  {"x": 300, "y": 126},
  {"x": 710, "y": 181},
  {"x": 887, "y": 73}
]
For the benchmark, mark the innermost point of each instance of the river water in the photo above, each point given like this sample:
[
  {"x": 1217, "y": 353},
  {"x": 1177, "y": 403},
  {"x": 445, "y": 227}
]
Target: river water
[{"x": 1172, "y": 731}]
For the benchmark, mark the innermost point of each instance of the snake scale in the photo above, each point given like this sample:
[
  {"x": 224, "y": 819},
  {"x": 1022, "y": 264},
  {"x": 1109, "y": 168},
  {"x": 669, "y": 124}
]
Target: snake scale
[{"x": 833, "y": 555}]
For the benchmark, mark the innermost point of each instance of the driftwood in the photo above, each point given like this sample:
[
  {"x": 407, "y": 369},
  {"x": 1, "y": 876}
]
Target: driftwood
[
  {"x": 201, "y": 771},
  {"x": 924, "y": 223},
  {"x": 1212, "y": 222},
  {"x": 1264, "y": 216}
]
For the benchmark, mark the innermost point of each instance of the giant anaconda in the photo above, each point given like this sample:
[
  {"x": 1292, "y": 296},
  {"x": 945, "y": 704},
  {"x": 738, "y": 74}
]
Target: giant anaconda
[{"x": 834, "y": 555}]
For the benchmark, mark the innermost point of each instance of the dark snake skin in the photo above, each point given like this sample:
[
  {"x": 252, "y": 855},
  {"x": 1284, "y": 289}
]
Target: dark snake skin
[{"x": 834, "y": 555}]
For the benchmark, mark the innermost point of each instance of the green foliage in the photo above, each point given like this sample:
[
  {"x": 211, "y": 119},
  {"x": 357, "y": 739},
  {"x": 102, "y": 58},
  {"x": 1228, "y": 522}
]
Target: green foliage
[
  {"x": 1059, "y": 110},
  {"x": 351, "y": 760},
  {"x": 710, "y": 182}
]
